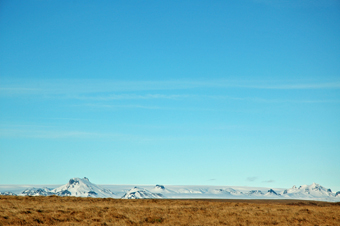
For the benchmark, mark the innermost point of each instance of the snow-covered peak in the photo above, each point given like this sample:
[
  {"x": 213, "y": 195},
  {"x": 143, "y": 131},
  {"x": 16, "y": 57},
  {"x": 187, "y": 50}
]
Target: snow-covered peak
[
  {"x": 255, "y": 192},
  {"x": 82, "y": 187},
  {"x": 318, "y": 187},
  {"x": 271, "y": 192},
  {"x": 141, "y": 193},
  {"x": 7, "y": 193},
  {"x": 225, "y": 191},
  {"x": 36, "y": 192},
  {"x": 160, "y": 189},
  {"x": 308, "y": 191}
]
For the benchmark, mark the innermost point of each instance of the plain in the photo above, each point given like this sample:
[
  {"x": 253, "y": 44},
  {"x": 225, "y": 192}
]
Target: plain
[{"x": 53, "y": 210}]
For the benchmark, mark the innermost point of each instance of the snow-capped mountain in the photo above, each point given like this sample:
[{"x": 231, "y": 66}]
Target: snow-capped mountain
[
  {"x": 254, "y": 193},
  {"x": 308, "y": 191},
  {"x": 271, "y": 192},
  {"x": 160, "y": 189},
  {"x": 141, "y": 193},
  {"x": 226, "y": 191},
  {"x": 36, "y": 192},
  {"x": 75, "y": 187},
  {"x": 7, "y": 193},
  {"x": 82, "y": 188}
]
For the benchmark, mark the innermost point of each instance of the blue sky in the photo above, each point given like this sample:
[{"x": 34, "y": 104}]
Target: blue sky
[{"x": 178, "y": 92}]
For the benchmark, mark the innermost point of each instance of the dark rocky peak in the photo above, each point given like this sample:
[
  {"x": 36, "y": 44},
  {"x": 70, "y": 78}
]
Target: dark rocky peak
[
  {"x": 271, "y": 191},
  {"x": 160, "y": 186},
  {"x": 73, "y": 181}
]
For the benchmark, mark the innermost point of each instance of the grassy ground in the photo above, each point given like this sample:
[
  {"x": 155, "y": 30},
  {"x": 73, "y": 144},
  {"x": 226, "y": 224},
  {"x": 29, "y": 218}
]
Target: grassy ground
[{"x": 94, "y": 211}]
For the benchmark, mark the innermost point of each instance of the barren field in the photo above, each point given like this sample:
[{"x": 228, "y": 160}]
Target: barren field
[{"x": 95, "y": 211}]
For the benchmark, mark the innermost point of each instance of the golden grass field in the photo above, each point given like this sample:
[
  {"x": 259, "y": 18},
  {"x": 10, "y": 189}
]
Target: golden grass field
[{"x": 54, "y": 210}]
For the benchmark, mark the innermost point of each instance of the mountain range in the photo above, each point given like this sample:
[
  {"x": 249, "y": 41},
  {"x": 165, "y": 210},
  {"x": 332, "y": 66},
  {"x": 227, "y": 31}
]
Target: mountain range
[{"x": 82, "y": 187}]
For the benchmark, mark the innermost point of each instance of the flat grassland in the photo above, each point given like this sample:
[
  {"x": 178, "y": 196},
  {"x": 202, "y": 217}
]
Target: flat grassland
[{"x": 54, "y": 210}]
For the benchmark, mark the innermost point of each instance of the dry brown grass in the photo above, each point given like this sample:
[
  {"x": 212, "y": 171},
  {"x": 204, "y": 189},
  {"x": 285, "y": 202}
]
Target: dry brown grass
[{"x": 94, "y": 211}]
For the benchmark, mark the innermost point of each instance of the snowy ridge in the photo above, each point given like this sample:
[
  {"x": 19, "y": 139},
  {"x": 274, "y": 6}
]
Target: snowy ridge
[
  {"x": 305, "y": 192},
  {"x": 313, "y": 191},
  {"x": 141, "y": 193},
  {"x": 36, "y": 192},
  {"x": 161, "y": 189},
  {"x": 82, "y": 187},
  {"x": 7, "y": 193},
  {"x": 75, "y": 187},
  {"x": 254, "y": 193},
  {"x": 226, "y": 191}
]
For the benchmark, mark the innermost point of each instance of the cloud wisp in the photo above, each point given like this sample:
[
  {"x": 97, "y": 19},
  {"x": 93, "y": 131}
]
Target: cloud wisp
[
  {"x": 268, "y": 181},
  {"x": 52, "y": 133},
  {"x": 109, "y": 94},
  {"x": 116, "y": 106},
  {"x": 73, "y": 87},
  {"x": 114, "y": 97},
  {"x": 133, "y": 96},
  {"x": 251, "y": 179}
]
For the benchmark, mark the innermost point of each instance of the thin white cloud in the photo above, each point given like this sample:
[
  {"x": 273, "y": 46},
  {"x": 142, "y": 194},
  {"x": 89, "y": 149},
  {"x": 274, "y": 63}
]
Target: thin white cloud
[
  {"x": 108, "y": 90},
  {"x": 251, "y": 179},
  {"x": 268, "y": 181},
  {"x": 132, "y": 97},
  {"x": 132, "y": 106},
  {"x": 55, "y": 133},
  {"x": 73, "y": 87},
  {"x": 335, "y": 85},
  {"x": 298, "y": 3},
  {"x": 113, "y": 106},
  {"x": 263, "y": 100},
  {"x": 47, "y": 134},
  {"x": 118, "y": 97}
]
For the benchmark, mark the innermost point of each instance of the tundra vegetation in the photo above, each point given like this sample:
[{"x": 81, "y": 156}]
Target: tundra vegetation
[{"x": 53, "y": 210}]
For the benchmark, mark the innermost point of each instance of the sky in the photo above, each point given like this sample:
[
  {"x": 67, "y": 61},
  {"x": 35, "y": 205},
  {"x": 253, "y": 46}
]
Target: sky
[{"x": 236, "y": 93}]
